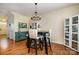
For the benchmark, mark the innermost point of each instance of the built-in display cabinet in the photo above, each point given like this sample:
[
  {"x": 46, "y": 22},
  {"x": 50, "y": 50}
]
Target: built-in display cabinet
[{"x": 71, "y": 32}]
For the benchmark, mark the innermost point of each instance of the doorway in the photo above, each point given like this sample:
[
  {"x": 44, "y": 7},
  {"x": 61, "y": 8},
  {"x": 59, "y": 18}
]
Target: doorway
[{"x": 3, "y": 27}]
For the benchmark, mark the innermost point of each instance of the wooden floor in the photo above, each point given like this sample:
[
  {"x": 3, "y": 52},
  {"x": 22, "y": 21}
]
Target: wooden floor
[{"x": 20, "y": 48}]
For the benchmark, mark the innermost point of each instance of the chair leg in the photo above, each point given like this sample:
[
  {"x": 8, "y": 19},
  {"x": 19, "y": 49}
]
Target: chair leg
[
  {"x": 28, "y": 50},
  {"x": 36, "y": 46},
  {"x": 50, "y": 45},
  {"x": 29, "y": 43},
  {"x": 41, "y": 44}
]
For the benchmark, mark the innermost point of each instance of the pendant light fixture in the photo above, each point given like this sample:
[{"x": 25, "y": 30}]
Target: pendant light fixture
[{"x": 36, "y": 17}]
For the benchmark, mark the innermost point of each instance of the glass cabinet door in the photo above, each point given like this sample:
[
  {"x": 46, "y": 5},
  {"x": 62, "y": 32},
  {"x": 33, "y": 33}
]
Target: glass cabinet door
[
  {"x": 75, "y": 37},
  {"x": 74, "y": 28},
  {"x": 67, "y": 22},
  {"x": 67, "y": 35},
  {"x": 67, "y": 28},
  {"x": 67, "y": 42},
  {"x": 75, "y": 20},
  {"x": 75, "y": 45}
]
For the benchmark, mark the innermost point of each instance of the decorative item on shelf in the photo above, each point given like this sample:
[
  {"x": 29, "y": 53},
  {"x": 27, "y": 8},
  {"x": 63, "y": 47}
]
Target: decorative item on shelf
[{"x": 36, "y": 17}]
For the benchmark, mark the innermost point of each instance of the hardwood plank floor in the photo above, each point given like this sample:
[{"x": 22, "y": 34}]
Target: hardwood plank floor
[{"x": 20, "y": 48}]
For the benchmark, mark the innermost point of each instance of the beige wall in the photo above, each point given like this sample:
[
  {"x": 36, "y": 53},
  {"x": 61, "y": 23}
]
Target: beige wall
[
  {"x": 55, "y": 20},
  {"x": 19, "y": 18}
]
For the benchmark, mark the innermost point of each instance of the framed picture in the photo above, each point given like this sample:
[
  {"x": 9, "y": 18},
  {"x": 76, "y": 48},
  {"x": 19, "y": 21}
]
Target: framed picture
[{"x": 22, "y": 25}]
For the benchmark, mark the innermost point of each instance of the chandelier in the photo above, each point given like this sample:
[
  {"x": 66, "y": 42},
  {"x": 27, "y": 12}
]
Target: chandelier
[{"x": 35, "y": 17}]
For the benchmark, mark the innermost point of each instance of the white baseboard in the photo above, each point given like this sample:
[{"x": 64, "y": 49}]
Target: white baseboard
[{"x": 57, "y": 42}]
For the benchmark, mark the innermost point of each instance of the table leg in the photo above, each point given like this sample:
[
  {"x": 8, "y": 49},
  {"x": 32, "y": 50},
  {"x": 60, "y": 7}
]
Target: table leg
[{"x": 46, "y": 46}]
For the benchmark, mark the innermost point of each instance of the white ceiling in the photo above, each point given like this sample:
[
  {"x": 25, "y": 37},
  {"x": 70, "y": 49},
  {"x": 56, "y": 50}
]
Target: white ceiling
[{"x": 28, "y": 8}]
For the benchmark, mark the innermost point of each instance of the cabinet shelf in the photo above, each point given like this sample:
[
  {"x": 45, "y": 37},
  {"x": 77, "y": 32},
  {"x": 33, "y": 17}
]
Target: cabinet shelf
[
  {"x": 74, "y": 32},
  {"x": 74, "y": 24},
  {"x": 66, "y": 25},
  {"x": 66, "y": 39},
  {"x": 74, "y": 41},
  {"x": 66, "y": 32}
]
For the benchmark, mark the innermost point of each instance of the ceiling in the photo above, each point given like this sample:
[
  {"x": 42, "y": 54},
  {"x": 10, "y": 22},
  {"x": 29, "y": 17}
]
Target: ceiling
[{"x": 28, "y": 8}]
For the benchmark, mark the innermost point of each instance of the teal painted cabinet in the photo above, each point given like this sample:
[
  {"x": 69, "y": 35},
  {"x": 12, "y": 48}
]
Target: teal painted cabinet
[{"x": 21, "y": 35}]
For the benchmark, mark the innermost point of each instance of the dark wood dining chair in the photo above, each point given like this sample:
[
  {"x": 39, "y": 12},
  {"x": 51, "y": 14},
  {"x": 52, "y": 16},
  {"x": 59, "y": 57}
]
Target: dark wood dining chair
[
  {"x": 46, "y": 41},
  {"x": 48, "y": 38},
  {"x": 34, "y": 40}
]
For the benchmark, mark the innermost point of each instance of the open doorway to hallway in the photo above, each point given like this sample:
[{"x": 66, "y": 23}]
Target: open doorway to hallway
[
  {"x": 4, "y": 34},
  {"x": 3, "y": 26}
]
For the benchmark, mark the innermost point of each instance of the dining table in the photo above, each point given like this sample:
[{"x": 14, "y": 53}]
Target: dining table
[{"x": 43, "y": 33}]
